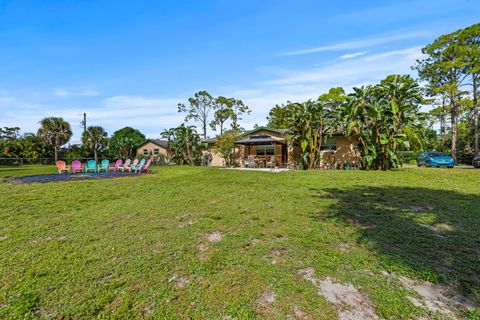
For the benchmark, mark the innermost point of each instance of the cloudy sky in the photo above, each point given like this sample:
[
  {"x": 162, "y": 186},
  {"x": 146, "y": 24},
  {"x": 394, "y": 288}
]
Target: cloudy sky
[{"x": 131, "y": 62}]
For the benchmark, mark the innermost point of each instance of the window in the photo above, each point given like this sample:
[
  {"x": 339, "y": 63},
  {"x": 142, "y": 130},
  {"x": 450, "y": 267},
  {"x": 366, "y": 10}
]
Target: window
[
  {"x": 156, "y": 151},
  {"x": 329, "y": 145},
  {"x": 145, "y": 151},
  {"x": 265, "y": 150}
]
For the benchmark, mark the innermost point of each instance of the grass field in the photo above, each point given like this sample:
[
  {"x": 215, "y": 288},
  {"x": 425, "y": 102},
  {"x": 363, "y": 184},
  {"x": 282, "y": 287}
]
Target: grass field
[{"x": 206, "y": 243}]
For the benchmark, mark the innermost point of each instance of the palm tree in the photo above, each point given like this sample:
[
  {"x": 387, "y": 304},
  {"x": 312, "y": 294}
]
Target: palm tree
[
  {"x": 95, "y": 139},
  {"x": 55, "y": 132}
]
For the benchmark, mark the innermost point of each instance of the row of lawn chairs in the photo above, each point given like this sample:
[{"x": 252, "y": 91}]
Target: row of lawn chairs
[{"x": 92, "y": 166}]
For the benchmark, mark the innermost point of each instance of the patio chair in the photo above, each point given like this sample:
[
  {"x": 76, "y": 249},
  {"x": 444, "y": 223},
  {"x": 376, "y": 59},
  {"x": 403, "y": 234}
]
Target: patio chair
[
  {"x": 91, "y": 166},
  {"x": 103, "y": 166},
  {"x": 143, "y": 168},
  {"x": 62, "y": 167},
  {"x": 130, "y": 167},
  {"x": 124, "y": 166},
  {"x": 77, "y": 166},
  {"x": 116, "y": 166},
  {"x": 137, "y": 166},
  {"x": 272, "y": 163}
]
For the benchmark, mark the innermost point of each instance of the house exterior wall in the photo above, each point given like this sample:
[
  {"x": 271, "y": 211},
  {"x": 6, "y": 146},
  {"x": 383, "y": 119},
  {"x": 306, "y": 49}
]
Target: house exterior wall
[
  {"x": 150, "y": 146},
  {"x": 344, "y": 153}
]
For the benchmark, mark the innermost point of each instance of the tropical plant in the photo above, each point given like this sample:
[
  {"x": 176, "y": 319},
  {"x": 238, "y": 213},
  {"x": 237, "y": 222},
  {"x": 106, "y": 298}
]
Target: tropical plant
[
  {"x": 124, "y": 142},
  {"x": 95, "y": 140},
  {"x": 55, "y": 132},
  {"x": 184, "y": 144},
  {"x": 225, "y": 146}
]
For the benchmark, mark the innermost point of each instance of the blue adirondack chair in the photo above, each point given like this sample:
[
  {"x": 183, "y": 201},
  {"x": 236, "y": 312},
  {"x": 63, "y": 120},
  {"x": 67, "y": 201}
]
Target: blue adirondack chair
[
  {"x": 91, "y": 166},
  {"x": 138, "y": 165},
  {"x": 103, "y": 166}
]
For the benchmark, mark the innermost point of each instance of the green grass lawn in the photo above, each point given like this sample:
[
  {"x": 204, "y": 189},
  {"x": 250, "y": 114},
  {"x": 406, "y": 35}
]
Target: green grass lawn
[{"x": 207, "y": 243}]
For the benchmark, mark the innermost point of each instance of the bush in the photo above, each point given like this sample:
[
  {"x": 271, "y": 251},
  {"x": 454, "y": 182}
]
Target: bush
[{"x": 413, "y": 161}]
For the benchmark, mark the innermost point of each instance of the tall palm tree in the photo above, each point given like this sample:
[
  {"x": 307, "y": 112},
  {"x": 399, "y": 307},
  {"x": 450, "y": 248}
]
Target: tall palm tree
[
  {"x": 55, "y": 132},
  {"x": 95, "y": 139}
]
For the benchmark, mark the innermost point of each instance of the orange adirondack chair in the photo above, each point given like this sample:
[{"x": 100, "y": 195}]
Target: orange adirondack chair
[{"x": 62, "y": 167}]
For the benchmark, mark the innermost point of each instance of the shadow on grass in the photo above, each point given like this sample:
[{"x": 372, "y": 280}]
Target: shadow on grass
[{"x": 424, "y": 233}]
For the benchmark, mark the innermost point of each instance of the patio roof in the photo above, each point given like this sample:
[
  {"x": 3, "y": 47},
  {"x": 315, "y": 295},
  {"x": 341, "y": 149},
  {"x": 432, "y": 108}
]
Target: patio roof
[{"x": 260, "y": 139}]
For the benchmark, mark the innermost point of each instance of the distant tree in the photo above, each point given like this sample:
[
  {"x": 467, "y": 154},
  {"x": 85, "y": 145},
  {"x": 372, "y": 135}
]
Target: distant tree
[
  {"x": 238, "y": 109},
  {"x": 226, "y": 147},
  {"x": 223, "y": 111},
  {"x": 278, "y": 117},
  {"x": 198, "y": 109},
  {"x": 9, "y": 133},
  {"x": 55, "y": 132},
  {"x": 95, "y": 140},
  {"x": 124, "y": 142}
]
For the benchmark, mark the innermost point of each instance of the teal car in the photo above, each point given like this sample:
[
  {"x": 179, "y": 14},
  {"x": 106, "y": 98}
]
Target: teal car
[
  {"x": 435, "y": 159},
  {"x": 476, "y": 161}
]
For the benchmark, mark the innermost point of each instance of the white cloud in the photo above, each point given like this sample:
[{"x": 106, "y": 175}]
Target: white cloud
[
  {"x": 68, "y": 93},
  {"x": 353, "y": 55},
  {"x": 362, "y": 42}
]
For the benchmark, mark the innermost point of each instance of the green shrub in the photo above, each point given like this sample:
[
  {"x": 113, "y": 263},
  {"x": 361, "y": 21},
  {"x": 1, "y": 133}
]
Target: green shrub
[{"x": 413, "y": 161}]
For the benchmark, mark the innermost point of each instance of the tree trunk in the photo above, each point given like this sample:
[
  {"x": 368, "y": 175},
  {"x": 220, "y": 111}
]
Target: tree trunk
[
  {"x": 95, "y": 155},
  {"x": 475, "y": 114},
  {"x": 221, "y": 128},
  {"x": 204, "y": 130},
  {"x": 454, "y": 129},
  {"x": 56, "y": 153}
]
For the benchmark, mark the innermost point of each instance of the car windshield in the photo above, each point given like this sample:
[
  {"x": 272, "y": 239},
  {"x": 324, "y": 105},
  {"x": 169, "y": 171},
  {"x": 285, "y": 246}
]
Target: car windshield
[{"x": 436, "y": 154}]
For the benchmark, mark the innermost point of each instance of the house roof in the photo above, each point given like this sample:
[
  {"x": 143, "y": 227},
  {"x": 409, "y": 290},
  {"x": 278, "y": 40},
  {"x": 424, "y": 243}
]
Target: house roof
[
  {"x": 281, "y": 131},
  {"x": 158, "y": 142},
  {"x": 260, "y": 139}
]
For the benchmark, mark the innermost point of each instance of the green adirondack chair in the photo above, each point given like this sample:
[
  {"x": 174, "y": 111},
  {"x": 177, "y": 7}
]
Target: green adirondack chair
[
  {"x": 138, "y": 166},
  {"x": 91, "y": 166},
  {"x": 103, "y": 166}
]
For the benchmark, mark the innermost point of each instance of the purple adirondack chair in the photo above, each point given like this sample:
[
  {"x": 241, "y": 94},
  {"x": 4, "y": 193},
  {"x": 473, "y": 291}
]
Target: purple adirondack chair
[
  {"x": 118, "y": 163},
  {"x": 77, "y": 166}
]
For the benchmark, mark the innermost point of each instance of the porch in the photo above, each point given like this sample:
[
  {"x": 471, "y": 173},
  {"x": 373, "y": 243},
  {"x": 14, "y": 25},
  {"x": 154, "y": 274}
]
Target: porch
[{"x": 263, "y": 151}]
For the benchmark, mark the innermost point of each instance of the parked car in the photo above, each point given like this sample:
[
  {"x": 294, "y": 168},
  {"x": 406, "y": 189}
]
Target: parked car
[
  {"x": 476, "y": 161},
  {"x": 435, "y": 159}
]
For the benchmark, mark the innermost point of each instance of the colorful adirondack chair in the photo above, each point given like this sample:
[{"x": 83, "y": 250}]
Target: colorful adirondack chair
[
  {"x": 125, "y": 165},
  {"x": 91, "y": 166},
  {"x": 133, "y": 165},
  {"x": 103, "y": 166},
  {"x": 77, "y": 166},
  {"x": 137, "y": 167},
  {"x": 62, "y": 167},
  {"x": 145, "y": 167},
  {"x": 117, "y": 166}
]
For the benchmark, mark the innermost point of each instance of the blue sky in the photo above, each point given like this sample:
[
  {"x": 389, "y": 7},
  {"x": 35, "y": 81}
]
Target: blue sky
[{"x": 131, "y": 62}]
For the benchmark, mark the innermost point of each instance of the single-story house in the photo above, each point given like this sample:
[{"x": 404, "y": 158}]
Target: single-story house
[
  {"x": 153, "y": 147},
  {"x": 267, "y": 145}
]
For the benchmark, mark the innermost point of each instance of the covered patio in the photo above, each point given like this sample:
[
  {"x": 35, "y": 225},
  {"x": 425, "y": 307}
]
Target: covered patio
[{"x": 263, "y": 151}]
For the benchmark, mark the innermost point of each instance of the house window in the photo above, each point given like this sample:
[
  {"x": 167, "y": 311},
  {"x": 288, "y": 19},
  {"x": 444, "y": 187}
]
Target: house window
[
  {"x": 265, "y": 150},
  {"x": 145, "y": 151},
  {"x": 329, "y": 145},
  {"x": 156, "y": 151}
]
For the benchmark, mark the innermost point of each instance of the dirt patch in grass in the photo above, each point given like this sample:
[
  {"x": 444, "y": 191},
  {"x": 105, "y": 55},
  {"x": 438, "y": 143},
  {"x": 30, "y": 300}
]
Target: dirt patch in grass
[
  {"x": 349, "y": 302},
  {"x": 179, "y": 281},
  {"x": 216, "y": 236},
  {"x": 420, "y": 208}
]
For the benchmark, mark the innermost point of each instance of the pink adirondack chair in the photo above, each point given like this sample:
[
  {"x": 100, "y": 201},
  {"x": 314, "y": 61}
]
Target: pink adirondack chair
[
  {"x": 145, "y": 167},
  {"x": 62, "y": 166},
  {"x": 133, "y": 165},
  {"x": 77, "y": 166},
  {"x": 118, "y": 163}
]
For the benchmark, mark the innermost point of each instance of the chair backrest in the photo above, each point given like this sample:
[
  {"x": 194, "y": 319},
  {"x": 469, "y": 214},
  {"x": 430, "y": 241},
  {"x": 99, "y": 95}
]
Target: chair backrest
[
  {"x": 91, "y": 164},
  {"x": 272, "y": 159},
  {"x": 148, "y": 163},
  {"x": 60, "y": 164},
  {"x": 105, "y": 163},
  {"x": 142, "y": 162},
  {"x": 251, "y": 157},
  {"x": 76, "y": 164},
  {"x": 118, "y": 163},
  {"x": 127, "y": 162},
  {"x": 135, "y": 162}
]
